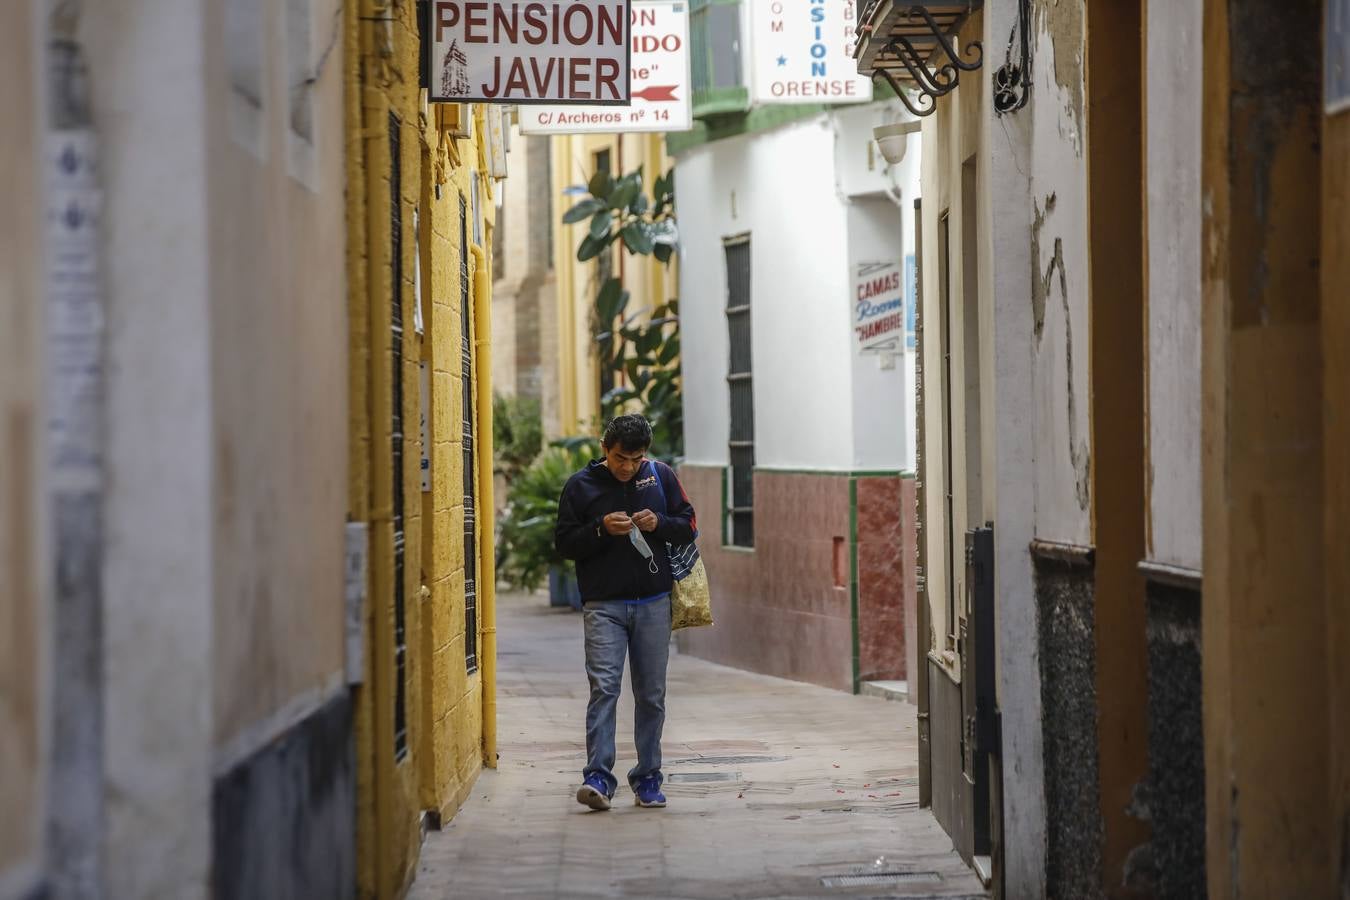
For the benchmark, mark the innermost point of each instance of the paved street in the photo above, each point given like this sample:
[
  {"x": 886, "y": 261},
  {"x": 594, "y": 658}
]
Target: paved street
[{"x": 773, "y": 786}]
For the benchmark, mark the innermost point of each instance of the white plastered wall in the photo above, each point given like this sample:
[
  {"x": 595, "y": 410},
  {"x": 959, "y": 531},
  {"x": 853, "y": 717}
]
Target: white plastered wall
[
  {"x": 1059, "y": 229},
  {"x": 1002, "y": 151},
  {"x": 150, "y": 102},
  {"x": 813, "y": 206},
  {"x": 778, "y": 188},
  {"x": 1173, "y": 166}
]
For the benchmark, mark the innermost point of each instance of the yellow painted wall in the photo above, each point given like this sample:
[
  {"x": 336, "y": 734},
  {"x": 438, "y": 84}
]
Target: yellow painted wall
[
  {"x": 649, "y": 281},
  {"x": 444, "y": 702},
  {"x": 21, "y": 623}
]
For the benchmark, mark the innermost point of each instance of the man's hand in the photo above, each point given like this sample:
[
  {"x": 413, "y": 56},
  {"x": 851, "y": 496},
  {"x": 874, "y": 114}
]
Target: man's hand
[
  {"x": 618, "y": 523},
  {"x": 646, "y": 520}
]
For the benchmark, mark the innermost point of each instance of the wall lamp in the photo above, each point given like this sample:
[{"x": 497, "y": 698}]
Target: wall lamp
[{"x": 893, "y": 140}]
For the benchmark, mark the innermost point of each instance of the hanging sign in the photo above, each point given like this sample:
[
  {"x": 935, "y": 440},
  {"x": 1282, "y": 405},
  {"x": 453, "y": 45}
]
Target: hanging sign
[
  {"x": 803, "y": 52},
  {"x": 546, "y": 51},
  {"x": 660, "y": 81},
  {"x": 878, "y": 307}
]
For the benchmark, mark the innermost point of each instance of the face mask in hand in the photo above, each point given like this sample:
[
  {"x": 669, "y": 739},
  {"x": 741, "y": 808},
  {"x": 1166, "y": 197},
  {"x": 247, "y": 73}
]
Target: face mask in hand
[{"x": 640, "y": 542}]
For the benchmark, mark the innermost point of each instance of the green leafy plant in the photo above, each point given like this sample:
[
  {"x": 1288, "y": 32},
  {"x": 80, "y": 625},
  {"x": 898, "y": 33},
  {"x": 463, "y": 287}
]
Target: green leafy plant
[
  {"x": 517, "y": 433},
  {"x": 525, "y": 542},
  {"x": 639, "y": 349}
]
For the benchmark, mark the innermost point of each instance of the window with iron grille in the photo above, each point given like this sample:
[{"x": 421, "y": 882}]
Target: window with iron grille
[
  {"x": 396, "y": 436},
  {"x": 467, "y": 438},
  {"x": 740, "y": 385},
  {"x": 715, "y": 57}
]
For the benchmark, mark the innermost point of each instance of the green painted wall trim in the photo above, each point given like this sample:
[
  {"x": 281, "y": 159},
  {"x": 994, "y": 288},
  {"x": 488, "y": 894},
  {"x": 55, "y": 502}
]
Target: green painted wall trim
[
  {"x": 710, "y": 102},
  {"x": 853, "y": 580},
  {"x": 757, "y": 119}
]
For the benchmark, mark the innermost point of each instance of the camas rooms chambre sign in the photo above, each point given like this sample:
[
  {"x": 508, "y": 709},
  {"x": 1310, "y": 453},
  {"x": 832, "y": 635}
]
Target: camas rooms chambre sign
[{"x": 541, "y": 51}]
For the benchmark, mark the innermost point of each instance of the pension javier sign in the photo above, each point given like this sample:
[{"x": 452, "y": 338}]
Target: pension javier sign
[{"x": 564, "y": 51}]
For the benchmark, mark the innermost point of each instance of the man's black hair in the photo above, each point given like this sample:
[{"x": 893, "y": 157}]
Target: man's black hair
[{"x": 628, "y": 433}]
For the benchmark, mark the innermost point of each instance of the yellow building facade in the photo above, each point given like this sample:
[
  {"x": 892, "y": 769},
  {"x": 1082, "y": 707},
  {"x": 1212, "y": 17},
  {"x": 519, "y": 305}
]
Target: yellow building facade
[
  {"x": 575, "y": 158},
  {"x": 420, "y": 221}
]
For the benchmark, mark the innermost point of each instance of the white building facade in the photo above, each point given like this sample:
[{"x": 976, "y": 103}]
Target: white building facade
[{"x": 796, "y": 291}]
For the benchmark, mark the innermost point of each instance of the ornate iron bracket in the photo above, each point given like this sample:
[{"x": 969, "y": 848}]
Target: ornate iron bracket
[
  {"x": 1012, "y": 81},
  {"x": 932, "y": 83}
]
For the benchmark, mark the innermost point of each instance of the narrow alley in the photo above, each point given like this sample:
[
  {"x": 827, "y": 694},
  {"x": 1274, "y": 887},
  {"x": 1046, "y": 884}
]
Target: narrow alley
[
  {"x": 776, "y": 788},
  {"x": 980, "y": 367}
]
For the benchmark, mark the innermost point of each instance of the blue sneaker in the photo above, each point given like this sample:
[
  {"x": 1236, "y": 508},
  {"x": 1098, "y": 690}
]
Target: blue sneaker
[
  {"x": 594, "y": 793},
  {"x": 648, "y": 792}
]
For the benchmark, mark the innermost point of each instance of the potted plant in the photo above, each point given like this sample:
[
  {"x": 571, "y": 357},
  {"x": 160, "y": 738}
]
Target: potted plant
[{"x": 527, "y": 555}]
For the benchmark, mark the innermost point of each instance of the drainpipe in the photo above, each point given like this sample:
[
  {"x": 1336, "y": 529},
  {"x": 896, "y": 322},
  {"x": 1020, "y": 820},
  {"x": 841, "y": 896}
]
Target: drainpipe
[
  {"x": 76, "y": 386},
  {"x": 487, "y": 555}
]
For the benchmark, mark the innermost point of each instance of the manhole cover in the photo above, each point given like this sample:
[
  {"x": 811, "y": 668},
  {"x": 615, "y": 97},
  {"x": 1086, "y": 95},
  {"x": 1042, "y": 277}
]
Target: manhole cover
[
  {"x": 725, "y": 760},
  {"x": 692, "y": 777},
  {"x": 876, "y": 879}
]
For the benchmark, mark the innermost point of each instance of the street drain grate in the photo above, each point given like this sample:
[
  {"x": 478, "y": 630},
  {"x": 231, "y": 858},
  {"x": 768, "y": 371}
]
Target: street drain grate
[
  {"x": 876, "y": 879},
  {"x": 690, "y": 777},
  {"x": 724, "y": 760}
]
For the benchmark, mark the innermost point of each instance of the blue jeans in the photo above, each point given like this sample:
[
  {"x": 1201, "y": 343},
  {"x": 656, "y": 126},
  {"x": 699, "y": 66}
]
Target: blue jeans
[{"x": 642, "y": 631}]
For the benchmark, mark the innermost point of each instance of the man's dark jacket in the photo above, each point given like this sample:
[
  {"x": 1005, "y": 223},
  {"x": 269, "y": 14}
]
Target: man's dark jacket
[{"x": 609, "y": 567}]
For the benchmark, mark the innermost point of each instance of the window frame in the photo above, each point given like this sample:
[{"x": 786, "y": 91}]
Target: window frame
[{"x": 739, "y": 505}]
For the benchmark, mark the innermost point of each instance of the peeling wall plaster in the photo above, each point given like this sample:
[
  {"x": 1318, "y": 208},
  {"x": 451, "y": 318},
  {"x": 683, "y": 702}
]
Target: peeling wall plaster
[{"x": 1060, "y": 277}]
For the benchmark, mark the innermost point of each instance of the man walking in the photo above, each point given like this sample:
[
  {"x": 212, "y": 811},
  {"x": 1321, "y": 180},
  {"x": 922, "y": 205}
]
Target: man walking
[{"x": 614, "y": 519}]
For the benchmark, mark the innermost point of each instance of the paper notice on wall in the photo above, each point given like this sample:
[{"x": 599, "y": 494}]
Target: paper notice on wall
[
  {"x": 74, "y": 317},
  {"x": 802, "y": 52},
  {"x": 878, "y": 308},
  {"x": 496, "y": 128},
  {"x": 355, "y": 573},
  {"x": 660, "y": 82}
]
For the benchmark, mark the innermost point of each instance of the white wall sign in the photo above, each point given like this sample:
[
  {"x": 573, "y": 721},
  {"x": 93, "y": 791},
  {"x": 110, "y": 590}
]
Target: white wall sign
[
  {"x": 878, "y": 307},
  {"x": 547, "y": 51},
  {"x": 803, "y": 52},
  {"x": 497, "y": 131},
  {"x": 660, "y": 81}
]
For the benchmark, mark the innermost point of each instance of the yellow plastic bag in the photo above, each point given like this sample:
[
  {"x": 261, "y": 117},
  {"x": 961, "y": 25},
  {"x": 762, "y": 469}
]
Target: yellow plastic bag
[{"x": 690, "y": 599}]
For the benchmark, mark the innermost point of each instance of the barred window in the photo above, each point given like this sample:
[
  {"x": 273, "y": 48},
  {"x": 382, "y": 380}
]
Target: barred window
[
  {"x": 740, "y": 385},
  {"x": 467, "y": 438},
  {"x": 715, "y": 56},
  {"x": 396, "y": 436}
]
